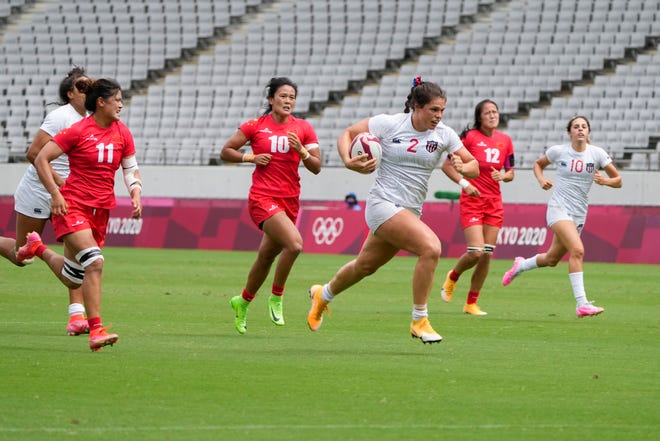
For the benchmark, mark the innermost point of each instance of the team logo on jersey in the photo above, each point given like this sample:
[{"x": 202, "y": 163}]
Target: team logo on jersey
[
  {"x": 562, "y": 164},
  {"x": 396, "y": 141},
  {"x": 431, "y": 146},
  {"x": 590, "y": 167}
]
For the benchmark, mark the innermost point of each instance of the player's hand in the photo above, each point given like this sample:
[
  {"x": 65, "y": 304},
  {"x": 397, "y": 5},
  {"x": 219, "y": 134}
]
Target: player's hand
[
  {"x": 262, "y": 158},
  {"x": 496, "y": 174},
  {"x": 456, "y": 162},
  {"x": 294, "y": 141},
  {"x": 137, "y": 210},
  {"x": 599, "y": 179},
  {"x": 546, "y": 184},
  {"x": 471, "y": 190},
  {"x": 360, "y": 164},
  {"x": 136, "y": 202},
  {"x": 58, "y": 206}
]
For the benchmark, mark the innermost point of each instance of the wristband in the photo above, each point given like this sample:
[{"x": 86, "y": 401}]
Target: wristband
[
  {"x": 464, "y": 183},
  {"x": 248, "y": 157},
  {"x": 307, "y": 156}
]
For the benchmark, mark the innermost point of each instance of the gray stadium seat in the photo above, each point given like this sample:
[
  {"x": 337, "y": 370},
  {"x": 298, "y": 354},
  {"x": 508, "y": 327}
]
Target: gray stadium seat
[{"x": 515, "y": 52}]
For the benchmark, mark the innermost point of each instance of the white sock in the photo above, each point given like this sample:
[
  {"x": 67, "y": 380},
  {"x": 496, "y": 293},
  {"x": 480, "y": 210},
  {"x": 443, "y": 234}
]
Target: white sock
[
  {"x": 327, "y": 295},
  {"x": 76, "y": 308},
  {"x": 419, "y": 312},
  {"x": 528, "y": 264},
  {"x": 577, "y": 282}
]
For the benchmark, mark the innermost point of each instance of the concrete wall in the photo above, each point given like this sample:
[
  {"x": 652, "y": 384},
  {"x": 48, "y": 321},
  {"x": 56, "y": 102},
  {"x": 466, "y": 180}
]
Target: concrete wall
[{"x": 232, "y": 182}]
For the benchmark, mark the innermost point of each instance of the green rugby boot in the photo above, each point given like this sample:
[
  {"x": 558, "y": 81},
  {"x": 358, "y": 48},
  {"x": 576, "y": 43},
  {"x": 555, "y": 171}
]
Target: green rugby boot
[
  {"x": 275, "y": 310},
  {"x": 240, "y": 307}
]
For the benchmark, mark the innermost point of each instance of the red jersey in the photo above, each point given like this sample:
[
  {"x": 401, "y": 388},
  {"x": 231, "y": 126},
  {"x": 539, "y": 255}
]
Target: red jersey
[
  {"x": 490, "y": 151},
  {"x": 95, "y": 154},
  {"x": 280, "y": 177}
]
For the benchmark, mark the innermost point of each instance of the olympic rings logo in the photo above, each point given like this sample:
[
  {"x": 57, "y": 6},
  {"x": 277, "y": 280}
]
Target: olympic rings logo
[{"x": 327, "y": 229}]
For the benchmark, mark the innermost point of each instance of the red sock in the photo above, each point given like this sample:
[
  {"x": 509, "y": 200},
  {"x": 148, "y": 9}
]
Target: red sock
[
  {"x": 277, "y": 290},
  {"x": 453, "y": 275},
  {"x": 94, "y": 323},
  {"x": 472, "y": 297},
  {"x": 247, "y": 296},
  {"x": 40, "y": 251}
]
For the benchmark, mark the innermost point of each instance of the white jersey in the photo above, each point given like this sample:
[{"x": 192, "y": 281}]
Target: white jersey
[
  {"x": 575, "y": 175},
  {"x": 31, "y": 198},
  {"x": 409, "y": 158}
]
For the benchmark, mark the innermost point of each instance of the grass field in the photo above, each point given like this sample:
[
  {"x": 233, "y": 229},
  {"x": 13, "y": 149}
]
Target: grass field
[{"x": 530, "y": 370}]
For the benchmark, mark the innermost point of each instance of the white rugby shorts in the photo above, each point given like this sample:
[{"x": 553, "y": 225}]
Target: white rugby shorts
[
  {"x": 32, "y": 199},
  {"x": 378, "y": 211},
  {"x": 556, "y": 213}
]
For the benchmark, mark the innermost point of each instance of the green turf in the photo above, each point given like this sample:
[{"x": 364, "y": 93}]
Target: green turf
[{"x": 530, "y": 370}]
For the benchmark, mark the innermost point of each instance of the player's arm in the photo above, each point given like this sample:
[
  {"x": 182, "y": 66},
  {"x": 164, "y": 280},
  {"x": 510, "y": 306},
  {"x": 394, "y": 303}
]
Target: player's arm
[
  {"x": 539, "y": 165},
  {"x": 49, "y": 152},
  {"x": 455, "y": 176},
  {"x": 313, "y": 162},
  {"x": 230, "y": 153},
  {"x": 40, "y": 139},
  {"x": 464, "y": 163},
  {"x": 344, "y": 140},
  {"x": 499, "y": 176},
  {"x": 133, "y": 183},
  {"x": 311, "y": 159},
  {"x": 613, "y": 180}
]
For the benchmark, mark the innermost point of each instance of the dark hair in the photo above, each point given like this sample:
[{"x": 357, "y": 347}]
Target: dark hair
[
  {"x": 273, "y": 86},
  {"x": 69, "y": 82},
  {"x": 423, "y": 93},
  {"x": 477, "y": 116},
  {"x": 95, "y": 89}
]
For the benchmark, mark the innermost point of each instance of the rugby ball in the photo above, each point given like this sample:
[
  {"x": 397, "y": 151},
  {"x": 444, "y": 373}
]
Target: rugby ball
[{"x": 367, "y": 143}]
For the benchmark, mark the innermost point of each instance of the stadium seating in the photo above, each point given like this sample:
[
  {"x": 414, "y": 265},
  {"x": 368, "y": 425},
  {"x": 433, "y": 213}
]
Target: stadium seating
[{"x": 195, "y": 69}]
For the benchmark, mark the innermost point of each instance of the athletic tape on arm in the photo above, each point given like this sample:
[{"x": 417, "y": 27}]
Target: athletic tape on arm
[{"x": 130, "y": 166}]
